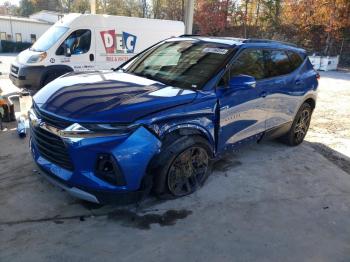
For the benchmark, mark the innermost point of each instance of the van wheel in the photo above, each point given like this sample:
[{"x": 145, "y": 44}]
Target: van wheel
[
  {"x": 300, "y": 126},
  {"x": 183, "y": 167}
]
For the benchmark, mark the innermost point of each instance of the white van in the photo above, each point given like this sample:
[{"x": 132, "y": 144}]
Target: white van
[{"x": 85, "y": 42}]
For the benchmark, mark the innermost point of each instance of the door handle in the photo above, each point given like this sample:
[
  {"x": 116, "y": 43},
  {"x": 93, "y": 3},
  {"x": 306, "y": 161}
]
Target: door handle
[
  {"x": 263, "y": 94},
  {"x": 92, "y": 57},
  {"x": 298, "y": 82},
  {"x": 280, "y": 82}
]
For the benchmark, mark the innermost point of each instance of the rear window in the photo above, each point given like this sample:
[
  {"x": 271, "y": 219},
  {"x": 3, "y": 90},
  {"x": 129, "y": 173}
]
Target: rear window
[
  {"x": 295, "y": 60},
  {"x": 277, "y": 63}
]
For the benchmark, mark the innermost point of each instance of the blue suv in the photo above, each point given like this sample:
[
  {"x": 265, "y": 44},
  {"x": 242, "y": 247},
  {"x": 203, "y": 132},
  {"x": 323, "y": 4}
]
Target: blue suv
[{"x": 159, "y": 120}]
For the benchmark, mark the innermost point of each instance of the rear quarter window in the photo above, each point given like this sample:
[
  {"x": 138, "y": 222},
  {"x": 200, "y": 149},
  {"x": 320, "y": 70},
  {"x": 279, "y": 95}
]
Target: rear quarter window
[
  {"x": 277, "y": 63},
  {"x": 295, "y": 59}
]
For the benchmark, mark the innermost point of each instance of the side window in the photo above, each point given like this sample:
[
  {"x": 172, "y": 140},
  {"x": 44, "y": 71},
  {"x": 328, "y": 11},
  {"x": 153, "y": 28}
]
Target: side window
[
  {"x": 249, "y": 62},
  {"x": 295, "y": 60},
  {"x": 78, "y": 42},
  {"x": 277, "y": 63}
]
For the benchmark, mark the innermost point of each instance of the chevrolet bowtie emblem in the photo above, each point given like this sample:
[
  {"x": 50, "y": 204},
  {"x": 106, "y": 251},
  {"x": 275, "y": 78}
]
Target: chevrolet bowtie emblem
[{"x": 34, "y": 120}]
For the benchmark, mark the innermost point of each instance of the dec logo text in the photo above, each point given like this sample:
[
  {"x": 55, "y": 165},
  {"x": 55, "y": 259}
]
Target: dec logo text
[{"x": 118, "y": 43}]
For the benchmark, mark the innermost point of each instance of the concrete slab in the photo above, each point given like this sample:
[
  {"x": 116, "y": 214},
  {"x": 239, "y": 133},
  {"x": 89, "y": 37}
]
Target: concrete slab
[{"x": 267, "y": 202}]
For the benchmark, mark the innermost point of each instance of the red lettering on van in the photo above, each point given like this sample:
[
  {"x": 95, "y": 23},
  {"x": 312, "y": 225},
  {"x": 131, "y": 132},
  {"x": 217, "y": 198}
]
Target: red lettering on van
[{"x": 108, "y": 38}]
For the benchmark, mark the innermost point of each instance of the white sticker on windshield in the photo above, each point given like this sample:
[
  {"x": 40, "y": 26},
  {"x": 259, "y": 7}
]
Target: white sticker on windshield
[{"x": 219, "y": 51}]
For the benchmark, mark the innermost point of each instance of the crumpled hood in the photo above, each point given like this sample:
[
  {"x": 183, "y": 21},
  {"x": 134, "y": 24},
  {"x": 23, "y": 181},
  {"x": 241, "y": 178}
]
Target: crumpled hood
[{"x": 108, "y": 97}]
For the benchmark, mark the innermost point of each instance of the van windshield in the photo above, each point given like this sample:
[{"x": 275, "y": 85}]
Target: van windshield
[
  {"x": 185, "y": 64},
  {"x": 49, "y": 38}
]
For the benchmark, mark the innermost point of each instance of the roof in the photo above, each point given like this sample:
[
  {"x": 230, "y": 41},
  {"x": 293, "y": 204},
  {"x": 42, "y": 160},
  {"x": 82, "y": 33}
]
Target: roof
[
  {"x": 74, "y": 20},
  {"x": 48, "y": 12},
  {"x": 214, "y": 39},
  {"x": 233, "y": 41},
  {"x": 23, "y": 19}
]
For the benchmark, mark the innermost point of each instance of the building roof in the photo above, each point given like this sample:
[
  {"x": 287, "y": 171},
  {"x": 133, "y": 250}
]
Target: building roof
[
  {"x": 23, "y": 19},
  {"x": 47, "y": 12}
]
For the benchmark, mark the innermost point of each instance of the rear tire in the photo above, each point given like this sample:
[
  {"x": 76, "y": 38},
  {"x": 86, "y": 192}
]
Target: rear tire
[
  {"x": 300, "y": 126},
  {"x": 183, "y": 166}
]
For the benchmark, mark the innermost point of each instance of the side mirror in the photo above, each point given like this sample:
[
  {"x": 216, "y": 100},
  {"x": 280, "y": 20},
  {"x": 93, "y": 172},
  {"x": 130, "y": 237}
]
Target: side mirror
[
  {"x": 242, "y": 82},
  {"x": 67, "y": 51}
]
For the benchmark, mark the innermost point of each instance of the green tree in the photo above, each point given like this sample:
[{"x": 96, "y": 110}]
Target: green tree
[
  {"x": 26, "y": 8},
  {"x": 50, "y": 5},
  {"x": 81, "y": 6}
]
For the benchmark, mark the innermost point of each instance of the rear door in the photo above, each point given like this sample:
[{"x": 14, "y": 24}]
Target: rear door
[
  {"x": 280, "y": 87},
  {"x": 242, "y": 114}
]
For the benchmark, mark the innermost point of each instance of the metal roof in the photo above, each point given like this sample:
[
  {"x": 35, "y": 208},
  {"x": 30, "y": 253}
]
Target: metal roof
[{"x": 23, "y": 19}]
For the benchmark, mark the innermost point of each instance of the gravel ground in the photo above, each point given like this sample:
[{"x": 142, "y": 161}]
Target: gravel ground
[
  {"x": 5, "y": 62},
  {"x": 267, "y": 202},
  {"x": 330, "y": 127}
]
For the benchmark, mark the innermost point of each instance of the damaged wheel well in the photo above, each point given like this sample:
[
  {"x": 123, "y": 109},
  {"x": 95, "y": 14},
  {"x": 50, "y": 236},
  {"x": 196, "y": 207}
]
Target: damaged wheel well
[
  {"x": 311, "y": 102},
  {"x": 171, "y": 136}
]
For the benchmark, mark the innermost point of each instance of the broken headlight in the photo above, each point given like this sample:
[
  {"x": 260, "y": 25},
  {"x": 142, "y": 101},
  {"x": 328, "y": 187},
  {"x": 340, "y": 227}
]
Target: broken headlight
[{"x": 97, "y": 130}]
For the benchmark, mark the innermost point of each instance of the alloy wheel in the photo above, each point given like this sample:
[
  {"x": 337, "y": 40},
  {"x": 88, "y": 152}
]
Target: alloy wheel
[
  {"x": 188, "y": 171},
  {"x": 302, "y": 125}
]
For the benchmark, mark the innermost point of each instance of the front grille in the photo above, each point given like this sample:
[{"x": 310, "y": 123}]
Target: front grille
[
  {"x": 14, "y": 69},
  {"x": 51, "y": 120},
  {"x": 51, "y": 147}
]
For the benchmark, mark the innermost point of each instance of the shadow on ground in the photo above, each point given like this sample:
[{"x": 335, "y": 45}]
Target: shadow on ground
[{"x": 337, "y": 158}]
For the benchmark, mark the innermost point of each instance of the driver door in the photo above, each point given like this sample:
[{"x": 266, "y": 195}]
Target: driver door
[
  {"x": 242, "y": 114},
  {"x": 77, "y": 51}
]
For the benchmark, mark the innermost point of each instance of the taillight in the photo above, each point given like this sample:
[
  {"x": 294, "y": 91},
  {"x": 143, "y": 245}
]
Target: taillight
[{"x": 318, "y": 76}]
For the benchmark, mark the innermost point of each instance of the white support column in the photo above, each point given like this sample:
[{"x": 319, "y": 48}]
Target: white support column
[
  {"x": 189, "y": 10},
  {"x": 93, "y": 7}
]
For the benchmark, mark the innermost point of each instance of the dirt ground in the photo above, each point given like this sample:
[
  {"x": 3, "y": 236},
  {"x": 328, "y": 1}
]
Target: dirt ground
[{"x": 267, "y": 202}]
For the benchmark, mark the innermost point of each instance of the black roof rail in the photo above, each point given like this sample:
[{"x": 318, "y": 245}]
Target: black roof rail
[
  {"x": 187, "y": 35},
  {"x": 253, "y": 40}
]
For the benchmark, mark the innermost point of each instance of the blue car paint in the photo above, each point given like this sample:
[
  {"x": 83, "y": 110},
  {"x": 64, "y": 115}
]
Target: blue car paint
[
  {"x": 227, "y": 118},
  {"x": 199, "y": 115},
  {"x": 241, "y": 115},
  {"x": 95, "y": 98},
  {"x": 133, "y": 154}
]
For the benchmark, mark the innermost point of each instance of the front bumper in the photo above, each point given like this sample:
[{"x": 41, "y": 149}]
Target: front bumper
[
  {"x": 28, "y": 77},
  {"x": 132, "y": 152}
]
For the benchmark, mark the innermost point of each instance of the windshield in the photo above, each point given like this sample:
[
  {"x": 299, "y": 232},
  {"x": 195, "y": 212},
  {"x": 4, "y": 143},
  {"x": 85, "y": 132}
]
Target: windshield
[
  {"x": 185, "y": 64},
  {"x": 49, "y": 38}
]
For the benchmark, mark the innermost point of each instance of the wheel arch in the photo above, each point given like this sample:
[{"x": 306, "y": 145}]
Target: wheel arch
[
  {"x": 177, "y": 132},
  {"x": 311, "y": 101},
  {"x": 189, "y": 130},
  {"x": 58, "y": 70}
]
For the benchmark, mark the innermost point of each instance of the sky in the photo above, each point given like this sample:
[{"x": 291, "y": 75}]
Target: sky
[{"x": 14, "y": 2}]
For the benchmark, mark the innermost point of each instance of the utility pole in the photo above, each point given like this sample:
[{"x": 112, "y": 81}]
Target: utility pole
[
  {"x": 189, "y": 16},
  {"x": 93, "y": 7},
  {"x": 9, "y": 12}
]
